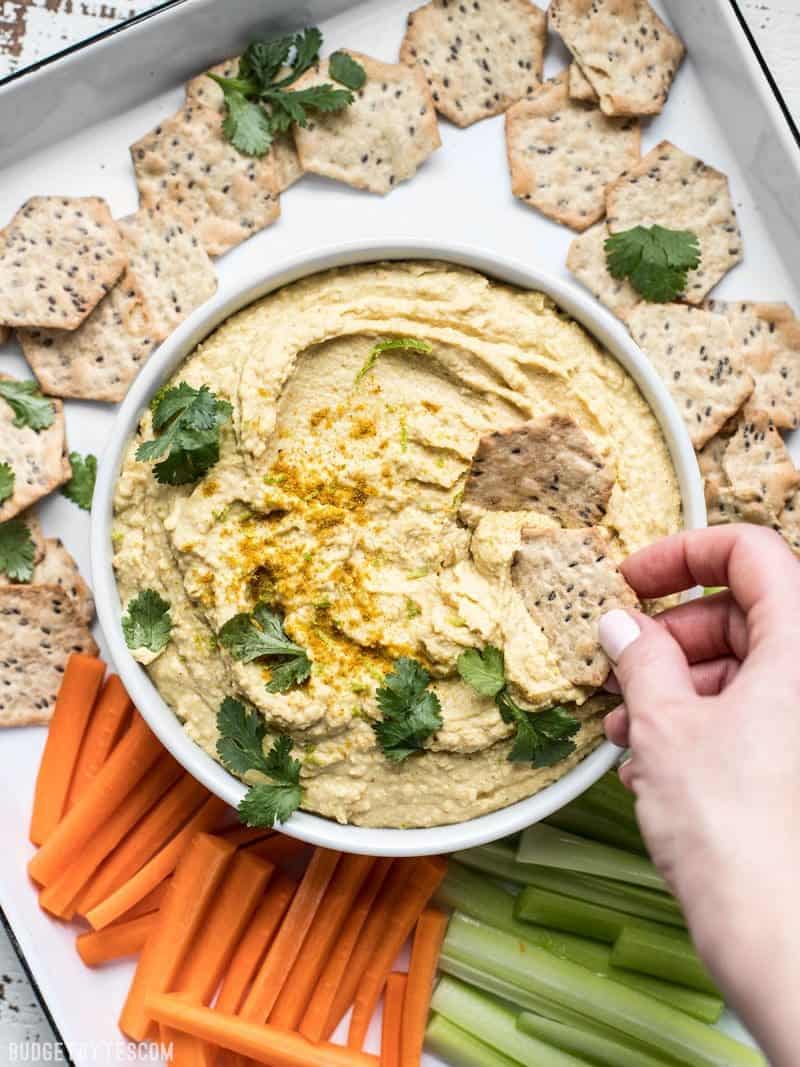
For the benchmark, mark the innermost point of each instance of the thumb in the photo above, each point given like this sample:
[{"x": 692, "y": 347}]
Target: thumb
[{"x": 649, "y": 664}]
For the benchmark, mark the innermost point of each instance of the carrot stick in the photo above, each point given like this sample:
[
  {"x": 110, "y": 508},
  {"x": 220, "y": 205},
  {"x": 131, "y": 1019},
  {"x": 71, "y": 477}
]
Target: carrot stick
[
  {"x": 109, "y": 718},
  {"x": 425, "y": 950},
  {"x": 255, "y": 943},
  {"x": 194, "y": 886},
  {"x": 393, "y": 1000},
  {"x": 266, "y": 1044},
  {"x": 289, "y": 940},
  {"x": 115, "y": 942},
  {"x": 314, "y": 1024},
  {"x": 425, "y": 876},
  {"x": 157, "y": 869},
  {"x": 76, "y": 696},
  {"x": 152, "y": 902},
  {"x": 185, "y": 1050},
  {"x": 152, "y": 833},
  {"x": 245, "y": 835},
  {"x": 369, "y": 939},
  {"x": 126, "y": 766},
  {"x": 60, "y": 896},
  {"x": 231, "y": 911},
  {"x": 298, "y": 987},
  {"x": 280, "y": 849}
]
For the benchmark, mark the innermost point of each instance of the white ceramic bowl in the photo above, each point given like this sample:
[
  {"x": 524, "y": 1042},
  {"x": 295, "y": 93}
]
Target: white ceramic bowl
[{"x": 313, "y": 828}]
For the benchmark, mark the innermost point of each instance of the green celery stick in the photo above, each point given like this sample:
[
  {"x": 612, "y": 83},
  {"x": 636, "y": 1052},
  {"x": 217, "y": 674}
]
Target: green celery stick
[
  {"x": 549, "y": 847},
  {"x": 581, "y": 818},
  {"x": 593, "y": 1047},
  {"x": 651, "y": 952},
  {"x": 456, "y": 1046}
]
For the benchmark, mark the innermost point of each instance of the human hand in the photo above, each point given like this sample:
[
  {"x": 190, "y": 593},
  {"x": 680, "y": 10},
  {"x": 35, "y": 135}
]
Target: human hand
[{"x": 711, "y": 715}]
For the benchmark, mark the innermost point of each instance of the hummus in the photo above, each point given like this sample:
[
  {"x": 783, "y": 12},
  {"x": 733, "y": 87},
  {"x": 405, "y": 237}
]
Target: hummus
[{"x": 337, "y": 499}]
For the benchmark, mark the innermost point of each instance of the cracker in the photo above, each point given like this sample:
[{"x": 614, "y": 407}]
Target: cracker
[
  {"x": 478, "y": 58},
  {"x": 202, "y": 90},
  {"x": 680, "y": 192},
  {"x": 624, "y": 49},
  {"x": 748, "y": 472},
  {"x": 31, "y": 520},
  {"x": 185, "y": 168},
  {"x": 56, "y": 567},
  {"x": 100, "y": 359},
  {"x": 382, "y": 138},
  {"x": 769, "y": 335},
  {"x": 567, "y": 581},
  {"x": 563, "y": 155},
  {"x": 695, "y": 354},
  {"x": 169, "y": 269},
  {"x": 788, "y": 524},
  {"x": 580, "y": 88},
  {"x": 37, "y": 459},
  {"x": 39, "y": 630},
  {"x": 586, "y": 260},
  {"x": 547, "y": 465},
  {"x": 59, "y": 256}
]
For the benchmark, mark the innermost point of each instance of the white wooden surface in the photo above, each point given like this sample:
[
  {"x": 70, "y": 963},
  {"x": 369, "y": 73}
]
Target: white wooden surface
[{"x": 49, "y": 26}]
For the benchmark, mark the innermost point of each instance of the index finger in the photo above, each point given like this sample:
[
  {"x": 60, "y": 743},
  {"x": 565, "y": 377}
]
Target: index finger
[{"x": 754, "y": 562}]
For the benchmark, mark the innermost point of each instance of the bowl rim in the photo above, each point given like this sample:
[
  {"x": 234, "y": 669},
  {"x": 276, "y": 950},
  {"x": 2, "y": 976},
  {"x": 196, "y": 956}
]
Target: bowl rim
[{"x": 317, "y": 829}]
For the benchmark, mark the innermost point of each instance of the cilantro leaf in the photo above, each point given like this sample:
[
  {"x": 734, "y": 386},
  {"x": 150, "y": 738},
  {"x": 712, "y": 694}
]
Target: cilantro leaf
[
  {"x": 262, "y": 60},
  {"x": 484, "y": 671},
  {"x": 411, "y": 712},
  {"x": 250, "y": 636},
  {"x": 346, "y": 70},
  {"x": 17, "y": 550},
  {"x": 31, "y": 409},
  {"x": 307, "y": 44},
  {"x": 414, "y": 344},
  {"x": 147, "y": 622},
  {"x": 655, "y": 260},
  {"x": 7, "y": 479},
  {"x": 293, "y": 671},
  {"x": 296, "y": 103},
  {"x": 80, "y": 487},
  {"x": 241, "y": 748},
  {"x": 246, "y": 124},
  {"x": 187, "y": 422}
]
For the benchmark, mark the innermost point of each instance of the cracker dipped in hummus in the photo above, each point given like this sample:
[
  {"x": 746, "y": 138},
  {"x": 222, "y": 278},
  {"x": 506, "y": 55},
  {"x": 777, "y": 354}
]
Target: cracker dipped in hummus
[{"x": 363, "y": 401}]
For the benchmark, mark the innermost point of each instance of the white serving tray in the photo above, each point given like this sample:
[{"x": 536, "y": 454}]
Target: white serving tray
[{"x": 65, "y": 129}]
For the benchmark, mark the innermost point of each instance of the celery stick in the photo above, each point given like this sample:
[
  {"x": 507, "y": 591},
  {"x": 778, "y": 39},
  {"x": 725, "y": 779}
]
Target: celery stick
[
  {"x": 581, "y": 818},
  {"x": 457, "y": 1046},
  {"x": 651, "y": 952},
  {"x": 583, "y": 1043},
  {"x": 484, "y": 1017},
  {"x": 655, "y": 1025},
  {"x": 549, "y": 847},
  {"x": 610, "y": 794}
]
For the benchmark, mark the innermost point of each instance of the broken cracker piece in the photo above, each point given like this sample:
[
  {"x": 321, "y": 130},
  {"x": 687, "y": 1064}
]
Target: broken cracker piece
[
  {"x": 586, "y": 260},
  {"x": 547, "y": 465},
  {"x": 567, "y": 581},
  {"x": 697, "y": 358},
  {"x": 580, "y": 88},
  {"x": 56, "y": 567},
  {"x": 788, "y": 522},
  {"x": 563, "y": 155},
  {"x": 478, "y": 58},
  {"x": 59, "y": 256},
  {"x": 38, "y": 459}
]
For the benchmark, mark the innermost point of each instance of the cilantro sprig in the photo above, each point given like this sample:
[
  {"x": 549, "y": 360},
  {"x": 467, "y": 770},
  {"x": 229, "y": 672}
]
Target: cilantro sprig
[
  {"x": 17, "y": 551},
  {"x": 31, "y": 409},
  {"x": 252, "y": 636},
  {"x": 80, "y": 488},
  {"x": 147, "y": 623},
  {"x": 411, "y": 712},
  {"x": 654, "y": 259},
  {"x": 7, "y": 479},
  {"x": 414, "y": 344},
  {"x": 187, "y": 422},
  {"x": 241, "y": 748},
  {"x": 542, "y": 737},
  {"x": 259, "y": 103}
]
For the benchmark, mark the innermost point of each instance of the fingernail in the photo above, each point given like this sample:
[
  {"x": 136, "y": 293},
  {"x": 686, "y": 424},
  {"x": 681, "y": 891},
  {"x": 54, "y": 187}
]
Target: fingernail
[{"x": 617, "y": 631}]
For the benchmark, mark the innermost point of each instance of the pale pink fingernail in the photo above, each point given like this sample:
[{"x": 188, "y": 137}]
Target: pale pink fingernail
[{"x": 617, "y": 631}]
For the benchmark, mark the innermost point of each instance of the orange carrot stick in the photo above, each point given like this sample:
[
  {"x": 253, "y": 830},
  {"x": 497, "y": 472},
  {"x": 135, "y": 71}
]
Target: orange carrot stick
[
  {"x": 289, "y": 940},
  {"x": 245, "y": 835},
  {"x": 152, "y": 902},
  {"x": 369, "y": 939},
  {"x": 255, "y": 943},
  {"x": 426, "y": 875},
  {"x": 161, "y": 866},
  {"x": 185, "y": 1050},
  {"x": 115, "y": 942},
  {"x": 231, "y": 911},
  {"x": 393, "y": 1000},
  {"x": 298, "y": 987},
  {"x": 314, "y": 1024},
  {"x": 157, "y": 827},
  {"x": 109, "y": 719},
  {"x": 126, "y": 766},
  {"x": 194, "y": 886},
  {"x": 280, "y": 849},
  {"x": 76, "y": 696},
  {"x": 266, "y": 1044},
  {"x": 425, "y": 950},
  {"x": 60, "y": 896}
]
